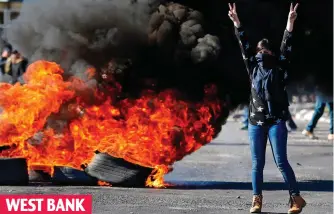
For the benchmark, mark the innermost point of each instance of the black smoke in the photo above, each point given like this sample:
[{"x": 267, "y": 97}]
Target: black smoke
[
  {"x": 66, "y": 31},
  {"x": 163, "y": 40}
]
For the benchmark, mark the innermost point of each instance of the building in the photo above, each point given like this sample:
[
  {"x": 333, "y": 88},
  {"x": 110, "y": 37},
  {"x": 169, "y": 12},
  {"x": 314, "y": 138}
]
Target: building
[{"x": 9, "y": 10}]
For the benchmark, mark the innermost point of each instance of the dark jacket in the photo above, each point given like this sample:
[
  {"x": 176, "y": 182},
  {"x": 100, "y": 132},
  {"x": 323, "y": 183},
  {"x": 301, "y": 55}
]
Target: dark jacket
[
  {"x": 17, "y": 69},
  {"x": 3, "y": 61},
  {"x": 268, "y": 77}
]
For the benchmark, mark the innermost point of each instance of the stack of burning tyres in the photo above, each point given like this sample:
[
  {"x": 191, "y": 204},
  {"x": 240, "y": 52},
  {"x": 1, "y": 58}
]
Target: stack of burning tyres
[
  {"x": 62, "y": 130},
  {"x": 122, "y": 142}
]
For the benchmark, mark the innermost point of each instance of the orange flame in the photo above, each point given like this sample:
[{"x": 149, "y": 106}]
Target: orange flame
[
  {"x": 26, "y": 108},
  {"x": 104, "y": 184},
  {"x": 156, "y": 179},
  {"x": 154, "y": 130}
]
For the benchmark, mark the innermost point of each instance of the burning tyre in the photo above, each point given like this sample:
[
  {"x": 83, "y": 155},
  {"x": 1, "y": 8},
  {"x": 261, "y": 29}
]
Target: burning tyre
[
  {"x": 36, "y": 175},
  {"x": 70, "y": 176},
  {"x": 14, "y": 171},
  {"x": 117, "y": 171}
]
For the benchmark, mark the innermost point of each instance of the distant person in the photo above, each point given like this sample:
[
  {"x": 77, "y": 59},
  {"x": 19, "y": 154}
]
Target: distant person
[
  {"x": 269, "y": 109},
  {"x": 16, "y": 66},
  {"x": 321, "y": 101},
  {"x": 6, "y": 53}
]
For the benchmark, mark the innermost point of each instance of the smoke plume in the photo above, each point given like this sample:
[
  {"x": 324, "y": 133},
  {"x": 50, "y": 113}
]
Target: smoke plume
[{"x": 74, "y": 33}]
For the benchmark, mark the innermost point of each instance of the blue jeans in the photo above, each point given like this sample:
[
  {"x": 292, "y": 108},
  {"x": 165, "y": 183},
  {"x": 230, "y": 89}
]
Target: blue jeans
[
  {"x": 318, "y": 112},
  {"x": 245, "y": 116},
  {"x": 278, "y": 137}
]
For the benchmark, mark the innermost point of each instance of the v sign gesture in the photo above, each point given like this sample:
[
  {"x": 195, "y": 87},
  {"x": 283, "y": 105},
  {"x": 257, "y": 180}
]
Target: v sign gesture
[
  {"x": 232, "y": 13},
  {"x": 293, "y": 13},
  {"x": 292, "y": 17}
]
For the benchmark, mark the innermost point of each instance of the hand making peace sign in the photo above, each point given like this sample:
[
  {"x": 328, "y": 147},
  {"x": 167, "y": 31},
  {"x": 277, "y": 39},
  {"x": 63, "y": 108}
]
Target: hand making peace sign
[
  {"x": 293, "y": 14},
  {"x": 232, "y": 13}
]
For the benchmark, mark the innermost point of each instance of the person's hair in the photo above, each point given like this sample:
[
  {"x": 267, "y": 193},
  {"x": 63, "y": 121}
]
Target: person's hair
[
  {"x": 8, "y": 47},
  {"x": 263, "y": 45}
]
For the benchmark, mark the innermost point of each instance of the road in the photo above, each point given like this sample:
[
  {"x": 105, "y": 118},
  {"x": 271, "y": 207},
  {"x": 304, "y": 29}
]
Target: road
[{"x": 216, "y": 179}]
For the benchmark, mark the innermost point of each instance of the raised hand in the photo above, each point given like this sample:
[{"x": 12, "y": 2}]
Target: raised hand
[
  {"x": 292, "y": 17},
  {"x": 293, "y": 13},
  {"x": 232, "y": 13}
]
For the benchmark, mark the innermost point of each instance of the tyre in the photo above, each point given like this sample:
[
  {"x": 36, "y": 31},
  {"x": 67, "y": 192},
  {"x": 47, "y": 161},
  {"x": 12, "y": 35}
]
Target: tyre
[
  {"x": 70, "y": 176},
  {"x": 39, "y": 176},
  {"x": 14, "y": 171},
  {"x": 117, "y": 171}
]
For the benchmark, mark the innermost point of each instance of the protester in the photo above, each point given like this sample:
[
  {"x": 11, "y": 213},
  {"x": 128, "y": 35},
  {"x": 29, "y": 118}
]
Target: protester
[
  {"x": 269, "y": 109},
  {"x": 6, "y": 53},
  {"x": 321, "y": 101},
  {"x": 15, "y": 66}
]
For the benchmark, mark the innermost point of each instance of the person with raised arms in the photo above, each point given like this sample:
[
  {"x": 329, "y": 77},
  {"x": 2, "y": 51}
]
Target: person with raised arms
[{"x": 268, "y": 108}]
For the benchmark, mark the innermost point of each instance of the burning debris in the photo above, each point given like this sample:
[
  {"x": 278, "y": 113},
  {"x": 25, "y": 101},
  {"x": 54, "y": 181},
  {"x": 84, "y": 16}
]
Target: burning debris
[
  {"x": 70, "y": 176},
  {"x": 121, "y": 128},
  {"x": 117, "y": 171}
]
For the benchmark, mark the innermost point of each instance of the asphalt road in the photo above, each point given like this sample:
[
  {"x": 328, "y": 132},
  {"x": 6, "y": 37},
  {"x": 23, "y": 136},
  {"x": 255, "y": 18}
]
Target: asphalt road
[{"x": 216, "y": 179}]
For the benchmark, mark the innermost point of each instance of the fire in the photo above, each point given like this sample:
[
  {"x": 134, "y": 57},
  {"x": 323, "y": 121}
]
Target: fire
[
  {"x": 156, "y": 179},
  {"x": 25, "y": 109},
  {"x": 154, "y": 130},
  {"x": 104, "y": 184}
]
